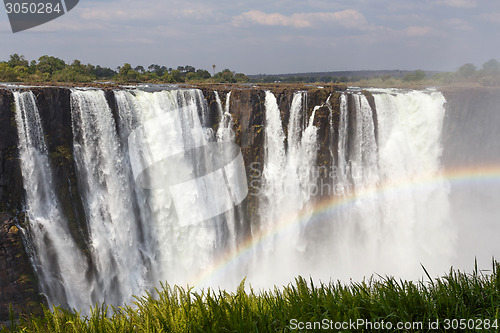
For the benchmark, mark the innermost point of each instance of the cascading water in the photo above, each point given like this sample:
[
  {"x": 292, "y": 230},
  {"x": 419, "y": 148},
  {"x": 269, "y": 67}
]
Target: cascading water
[
  {"x": 287, "y": 176},
  {"x": 60, "y": 266},
  {"x": 393, "y": 206},
  {"x": 410, "y": 149},
  {"x": 343, "y": 167},
  {"x": 156, "y": 193},
  {"x": 359, "y": 173},
  {"x": 182, "y": 246},
  {"x": 225, "y": 131},
  {"x": 107, "y": 198}
]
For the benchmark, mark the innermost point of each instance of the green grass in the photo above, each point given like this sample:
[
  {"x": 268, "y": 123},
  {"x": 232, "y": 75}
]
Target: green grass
[{"x": 470, "y": 297}]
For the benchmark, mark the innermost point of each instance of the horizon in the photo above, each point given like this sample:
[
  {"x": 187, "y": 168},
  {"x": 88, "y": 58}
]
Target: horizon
[{"x": 350, "y": 71}]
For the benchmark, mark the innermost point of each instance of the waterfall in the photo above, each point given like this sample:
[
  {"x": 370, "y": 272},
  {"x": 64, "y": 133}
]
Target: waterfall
[
  {"x": 274, "y": 163},
  {"x": 107, "y": 198},
  {"x": 225, "y": 131},
  {"x": 392, "y": 216},
  {"x": 288, "y": 177},
  {"x": 60, "y": 266},
  {"x": 384, "y": 219},
  {"x": 410, "y": 149},
  {"x": 343, "y": 167},
  {"x": 185, "y": 240},
  {"x": 163, "y": 186}
]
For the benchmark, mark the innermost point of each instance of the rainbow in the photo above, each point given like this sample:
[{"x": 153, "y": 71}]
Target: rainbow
[{"x": 473, "y": 175}]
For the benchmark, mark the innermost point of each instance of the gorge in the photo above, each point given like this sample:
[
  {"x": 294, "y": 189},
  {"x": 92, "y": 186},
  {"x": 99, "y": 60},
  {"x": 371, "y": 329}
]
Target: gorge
[{"x": 105, "y": 193}]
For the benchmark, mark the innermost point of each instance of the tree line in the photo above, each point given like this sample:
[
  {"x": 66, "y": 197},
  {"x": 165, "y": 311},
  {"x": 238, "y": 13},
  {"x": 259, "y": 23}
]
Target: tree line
[
  {"x": 52, "y": 69},
  {"x": 487, "y": 75}
]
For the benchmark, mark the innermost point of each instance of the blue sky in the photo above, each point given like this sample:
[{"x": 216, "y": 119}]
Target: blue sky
[{"x": 268, "y": 37}]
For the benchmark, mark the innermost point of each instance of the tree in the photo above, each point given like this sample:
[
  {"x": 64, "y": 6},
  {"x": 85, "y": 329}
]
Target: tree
[
  {"x": 49, "y": 64},
  {"x": 32, "y": 68},
  {"x": 17, "y": 60},
  {"x": 492, "y": 66},
  {"x": 199, "y": 75},
  {"x": 76, "y": 72},
  {"x": 125, "y": 69},
  {"x": 127, "y": 74},
  {"x": 241, "y": 78},
  {"x": 203, "y": 74},
  {"x": 153, "y": 68},
  {"x": 159, "y": 70},
  {"x": 419, "y": 75},
  {"x": 226, "y": 76},
  {"x": 466, "y": 71},
  {"x": 7, "y": 73},
  {"x": 490, "y": 74},
  {"x": 140, "y": 69},
  {"x": 189, "y": 69},
  {"x": 167, "y": 78},
  {"x": 176, "y": 75},
  {"x": 104, "y": 72}
]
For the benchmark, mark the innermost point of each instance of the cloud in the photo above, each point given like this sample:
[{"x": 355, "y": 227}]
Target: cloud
[
  {"x": 129, "y": 10},
  {"x": 276, "y": 19},
  {"x": 459, "y": 3},
  {"x": 492, "y": 17},
  {"x": 347, "y": 18},
  {"x": 417, "y": 31},
  {"x": 112, "y": 12},
  {"x": 121, "y": 15},
  {"x": 458, "y": 24}
]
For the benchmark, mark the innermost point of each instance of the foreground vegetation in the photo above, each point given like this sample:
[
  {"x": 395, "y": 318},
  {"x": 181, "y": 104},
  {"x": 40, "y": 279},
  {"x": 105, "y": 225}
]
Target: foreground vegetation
[{"x": 455, "y": 302}]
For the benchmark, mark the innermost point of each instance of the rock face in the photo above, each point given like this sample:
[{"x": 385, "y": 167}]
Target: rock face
[
  {"x": 10, "y": 174},
  {"x": 18, "y": 284},
  {"x": 471, "y": 126}
]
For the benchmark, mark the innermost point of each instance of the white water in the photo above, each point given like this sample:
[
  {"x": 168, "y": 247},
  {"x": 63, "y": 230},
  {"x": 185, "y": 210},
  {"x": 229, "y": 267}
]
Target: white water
[
  {"x": 107, "y": 198},
  {"x": 416, "y": 220},
  {"x": 225, "y": 131},
  {"x": 150, "y": 222},
  {"x": 287, "y": 187},
  {"x": 394, "y": 209},
  {"x": 182, "y": 251},
  {"x": 342, "y": 148},
  {"x": 389, "y": 209},
  {"x": 58, "y": 262}
]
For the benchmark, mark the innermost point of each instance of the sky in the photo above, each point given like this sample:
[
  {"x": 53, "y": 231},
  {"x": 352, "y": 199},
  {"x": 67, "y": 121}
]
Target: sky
[{"x": 268, "y": 37}]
